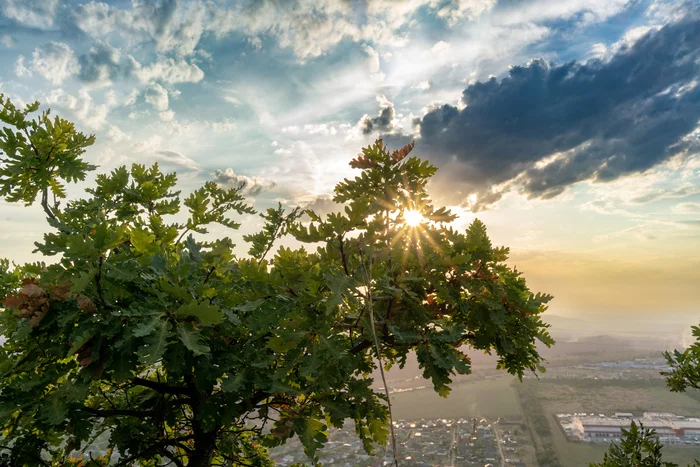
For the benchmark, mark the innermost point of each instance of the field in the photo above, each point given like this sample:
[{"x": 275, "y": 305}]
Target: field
[
  {"x": 548, "y": 397},
  {"x": 489, "y": 398}
]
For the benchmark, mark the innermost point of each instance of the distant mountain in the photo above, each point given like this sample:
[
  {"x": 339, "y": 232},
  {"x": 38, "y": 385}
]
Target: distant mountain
[{"x": 668, "y": 331}]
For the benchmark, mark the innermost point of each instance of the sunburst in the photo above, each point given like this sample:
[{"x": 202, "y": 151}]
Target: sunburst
[{"x": 413, "y": 218}]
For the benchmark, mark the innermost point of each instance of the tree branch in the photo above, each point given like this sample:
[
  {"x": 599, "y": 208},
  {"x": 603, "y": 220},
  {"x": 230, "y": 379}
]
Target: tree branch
[
  {"x": 155, "y": 449},
  {"x": 45, "y": 203},
  {"x": 342, "y": 255},
  {"x": 160, "y": 387},
  {"x": 119, "y": 412}
]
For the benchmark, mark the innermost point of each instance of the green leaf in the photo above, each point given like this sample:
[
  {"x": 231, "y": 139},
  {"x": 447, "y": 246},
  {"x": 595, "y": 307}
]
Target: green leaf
[
  {"x": 148, "y": 327},
  {"x": 53, "y": 410},
  {"x": 207, "y": 313},
  {"x": 233, "y": 383},
  {"x": 156, "y": 343},
  {"x": 141, "y": 240},
  {"x": 83, "y": 280},
  {"x": 192, "y": 341}
]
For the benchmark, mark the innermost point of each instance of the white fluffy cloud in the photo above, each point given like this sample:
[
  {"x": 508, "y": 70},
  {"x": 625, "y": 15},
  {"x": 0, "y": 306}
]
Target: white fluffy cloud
[
  {"x": 117, "y": 135},
  {"x": 169, "y": 71},
  {"x": 458, "y": 10},
  {"x": 173, "y": 26},
  {"x": 309, "y": 28},
  {"x": 21, "y": 69},
  {"x": 81, "y": 107},
  {"x": 55, "y": 61},
  {"x": 251, "y": 186},
  {"x": 39, "y": 14},
  {"x": 157, "y": 96}
]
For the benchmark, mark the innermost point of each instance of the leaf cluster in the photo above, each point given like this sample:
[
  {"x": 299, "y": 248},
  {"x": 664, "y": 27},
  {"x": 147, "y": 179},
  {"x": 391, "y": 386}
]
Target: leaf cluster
[{"x": 685, "y": 366}]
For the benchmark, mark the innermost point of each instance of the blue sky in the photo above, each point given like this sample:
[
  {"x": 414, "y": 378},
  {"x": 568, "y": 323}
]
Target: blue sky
[{"x": 569, "y": 127}]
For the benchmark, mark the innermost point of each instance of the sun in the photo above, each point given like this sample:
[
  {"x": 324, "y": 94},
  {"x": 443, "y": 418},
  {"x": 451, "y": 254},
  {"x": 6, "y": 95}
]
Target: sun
[{"x": 413, "y": 218}]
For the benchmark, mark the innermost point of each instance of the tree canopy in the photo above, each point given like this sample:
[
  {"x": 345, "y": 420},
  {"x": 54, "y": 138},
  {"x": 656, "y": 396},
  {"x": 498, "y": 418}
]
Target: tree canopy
[{"x": 147, "y": 329}]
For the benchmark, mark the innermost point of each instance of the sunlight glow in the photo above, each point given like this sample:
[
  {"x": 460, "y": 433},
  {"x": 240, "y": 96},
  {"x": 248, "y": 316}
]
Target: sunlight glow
[{"x": 413, "y": 218}]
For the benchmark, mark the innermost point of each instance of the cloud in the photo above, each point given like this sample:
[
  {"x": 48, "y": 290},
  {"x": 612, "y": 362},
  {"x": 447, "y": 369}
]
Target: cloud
[
  {"x": 103, "y": 64},
  {"x": 39, "y": 14},
  {"x": 157, "y": 96},
  {"x": 224, "y": 126},
  {"x": 422, "y": 86},
  {"x": 167, "y": 116},
  {"x": 148, "y": 145},
  {"x": 310, "y": 28},
  {"x": 323, "y": 205},
  {"x": 665, "y": 193},
  {"x": 545, "y": 127},
  {"x": 325, "y": 129},
  {"x": 582, "y": 11},
  {"x": 174, "y": 26},
  {"x": 8, "y": 41},
  {"x": 117, "y": 135},
  {"x": 131, "y": 98},
  {"x": 55, "y": 61},
  {"x": 255, "y": 43},
  {"x": 82, "y": 107},
  {"x": 21, "y": 69},
  {"x": 250, "y": 186},
  {"x": 373, "y": 62},
  {"x": 383, "y": 122},
  {"x": 457, "y": 10},
  {"x": 171, "y": 160},
  {"x": 687, "y": 208},
  {"x": 169, "y": 71}
]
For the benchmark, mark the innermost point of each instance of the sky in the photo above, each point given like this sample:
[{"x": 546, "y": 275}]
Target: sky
[{"x": 570, "y": 127}]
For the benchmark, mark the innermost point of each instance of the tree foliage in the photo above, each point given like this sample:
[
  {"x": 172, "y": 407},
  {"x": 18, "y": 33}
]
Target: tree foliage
[
  {"x": 638, "y": 447},
  {"x": 685, "y": 366},
  {"x": 182, "y": 352}
]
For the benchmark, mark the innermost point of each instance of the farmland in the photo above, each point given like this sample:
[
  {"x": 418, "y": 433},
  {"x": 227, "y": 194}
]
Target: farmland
[{"x": 490, "y": 398}]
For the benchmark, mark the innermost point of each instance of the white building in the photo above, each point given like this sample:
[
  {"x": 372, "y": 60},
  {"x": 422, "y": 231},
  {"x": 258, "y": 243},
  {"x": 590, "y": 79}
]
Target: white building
[{"x": 589, "y": 428}]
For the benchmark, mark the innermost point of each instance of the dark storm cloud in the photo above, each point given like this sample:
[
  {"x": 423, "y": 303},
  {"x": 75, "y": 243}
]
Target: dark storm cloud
[
  {"x": 383, "y": 122},
  {"x": 605, "y": 119}
]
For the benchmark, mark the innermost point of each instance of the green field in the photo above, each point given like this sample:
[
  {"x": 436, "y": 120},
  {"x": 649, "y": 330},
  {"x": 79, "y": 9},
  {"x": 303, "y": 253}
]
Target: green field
[{"x": 490, "y": 398}]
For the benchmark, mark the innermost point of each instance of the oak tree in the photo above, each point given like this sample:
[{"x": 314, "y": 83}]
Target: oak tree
[{"x": 144, "y": 328}]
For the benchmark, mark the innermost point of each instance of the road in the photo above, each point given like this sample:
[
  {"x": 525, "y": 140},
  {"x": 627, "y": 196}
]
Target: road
[
  {"x": 497, "y": 433},
  {"x": 453, "y": 450}
]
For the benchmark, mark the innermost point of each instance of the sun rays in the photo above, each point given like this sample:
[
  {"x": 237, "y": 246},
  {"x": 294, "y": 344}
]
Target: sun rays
[{"x": 413, "y": 218}]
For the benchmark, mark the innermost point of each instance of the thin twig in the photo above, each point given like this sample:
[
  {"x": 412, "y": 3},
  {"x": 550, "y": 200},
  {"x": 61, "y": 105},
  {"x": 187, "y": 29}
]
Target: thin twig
[{"x": 379, "y": 357}]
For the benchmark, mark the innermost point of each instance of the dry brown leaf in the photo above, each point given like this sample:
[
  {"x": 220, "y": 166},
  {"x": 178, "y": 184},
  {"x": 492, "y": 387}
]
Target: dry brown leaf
[
  {"x": 32, "y": 290},
  {"x": 36, "y": 319},
  {"x": 61, "y": 292},
  {"x": 12, "y": 302},
  {"x": 85, "y": 304}
]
